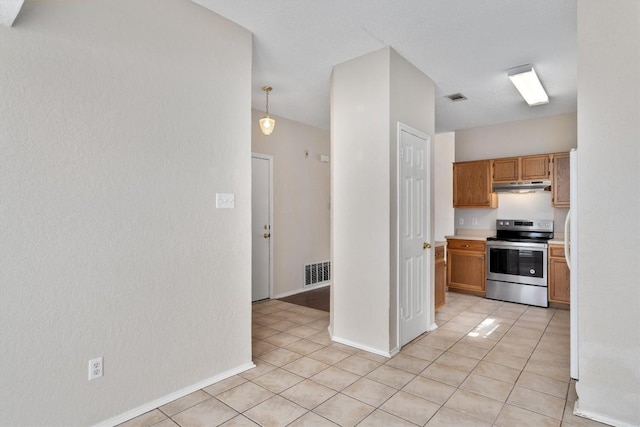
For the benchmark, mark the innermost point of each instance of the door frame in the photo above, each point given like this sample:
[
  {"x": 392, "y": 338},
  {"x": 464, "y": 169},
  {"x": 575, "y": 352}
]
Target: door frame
[
  {"x": 269, "y": 159},
  {"x": 429, "y": 303}
]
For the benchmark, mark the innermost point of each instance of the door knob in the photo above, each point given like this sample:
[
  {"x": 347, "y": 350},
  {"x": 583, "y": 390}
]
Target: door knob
[
  {"x": 266, "y": 235},
  {"x": 426, "y": 245}
]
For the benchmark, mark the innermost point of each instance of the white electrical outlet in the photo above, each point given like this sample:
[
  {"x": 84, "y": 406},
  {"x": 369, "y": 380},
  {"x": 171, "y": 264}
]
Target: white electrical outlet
[
  {"x": 96, "y": 368},
  {"x": 474, "y": 221},
  {"x": 461, "y": 221}
]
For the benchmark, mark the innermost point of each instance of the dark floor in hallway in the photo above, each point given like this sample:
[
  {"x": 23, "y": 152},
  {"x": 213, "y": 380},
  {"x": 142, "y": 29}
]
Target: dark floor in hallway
[{"x": 316, "y": 298}]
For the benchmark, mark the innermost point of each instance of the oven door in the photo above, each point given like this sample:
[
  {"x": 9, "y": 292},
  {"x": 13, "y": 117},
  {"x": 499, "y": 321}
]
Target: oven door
[{"x": 517, "y": 262}]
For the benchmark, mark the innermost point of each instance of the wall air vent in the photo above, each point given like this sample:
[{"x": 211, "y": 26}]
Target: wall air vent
[
  {"x": 317, "y": 273},
  {"x": 456, "y": 97}
]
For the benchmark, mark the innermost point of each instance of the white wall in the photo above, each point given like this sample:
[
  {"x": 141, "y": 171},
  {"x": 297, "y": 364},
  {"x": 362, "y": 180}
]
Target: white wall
[
  {"x": 443, "y": 157},
  {"x": 521, "y": 138},
  {"x": 369, "y": 95},
  {"x": 552, "y": 134},
  {"x": 412, "y": 102},
  {"x": 608, "y": 210},
  {"x": 360, "y": 193},
  {"x": 120, "y": 122},
  {"x": 514, "y": 206},
  {"x": 301, "y": 197}
]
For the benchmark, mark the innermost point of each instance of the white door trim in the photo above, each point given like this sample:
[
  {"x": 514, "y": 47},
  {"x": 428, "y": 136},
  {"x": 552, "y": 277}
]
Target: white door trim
[
  {"x": 429, "y": 162},
  {"x": 271, "y": 231}
]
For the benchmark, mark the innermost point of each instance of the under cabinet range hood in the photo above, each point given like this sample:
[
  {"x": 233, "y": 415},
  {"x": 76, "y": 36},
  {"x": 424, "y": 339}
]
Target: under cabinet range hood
[{"x": 522, "y": 186}]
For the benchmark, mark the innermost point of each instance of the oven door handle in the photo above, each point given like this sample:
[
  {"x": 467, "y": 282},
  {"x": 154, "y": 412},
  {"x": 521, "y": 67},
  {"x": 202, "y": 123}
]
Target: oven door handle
[{"x": 516, "y": 245}]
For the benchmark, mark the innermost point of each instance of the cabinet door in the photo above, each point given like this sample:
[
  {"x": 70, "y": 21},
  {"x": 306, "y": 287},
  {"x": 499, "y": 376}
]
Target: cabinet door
[
  {"x": 472, "y": 185},
  {"x": 561, "y": 180},
  {"x": 558, "y": 281},
  {"x": 465, "y": 270},
  {"x": 535, "y": 167},
  {"x": 506, "y": 170},
  {"x": 440, "y": 277}
]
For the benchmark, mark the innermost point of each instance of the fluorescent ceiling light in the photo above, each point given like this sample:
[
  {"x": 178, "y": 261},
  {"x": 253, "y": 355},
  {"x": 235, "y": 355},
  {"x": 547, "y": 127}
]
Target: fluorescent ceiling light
[
  {"x": 526, "y": 81},
  {"x": 9, "y": 10}
]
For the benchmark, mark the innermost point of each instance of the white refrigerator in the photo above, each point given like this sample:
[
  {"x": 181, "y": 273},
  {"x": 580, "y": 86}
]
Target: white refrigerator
[{"x": 571, "y": 255}]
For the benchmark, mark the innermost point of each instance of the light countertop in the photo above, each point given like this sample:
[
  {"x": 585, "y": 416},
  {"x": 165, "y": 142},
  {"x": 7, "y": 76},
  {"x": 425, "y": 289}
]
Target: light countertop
[
  {"x": 464, "y": 237},
  {"x": 471, "y": 234}
]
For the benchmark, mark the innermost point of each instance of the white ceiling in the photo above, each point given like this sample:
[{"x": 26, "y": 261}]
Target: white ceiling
[{"x": 463, "y": 45}]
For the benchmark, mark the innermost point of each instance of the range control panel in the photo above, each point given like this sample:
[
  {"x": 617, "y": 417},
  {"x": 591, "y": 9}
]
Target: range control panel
[{"x": 525, "y": 224}]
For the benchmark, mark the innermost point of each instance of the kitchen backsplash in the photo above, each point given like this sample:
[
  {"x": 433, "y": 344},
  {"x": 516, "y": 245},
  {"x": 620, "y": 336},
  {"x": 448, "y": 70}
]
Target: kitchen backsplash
[{"x": 512, "y": 206}]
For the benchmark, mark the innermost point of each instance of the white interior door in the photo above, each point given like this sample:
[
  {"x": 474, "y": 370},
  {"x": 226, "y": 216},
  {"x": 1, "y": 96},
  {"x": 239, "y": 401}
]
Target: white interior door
[
  {"x": 261, "y": 227},
  {"x": 415, "y": 254}
]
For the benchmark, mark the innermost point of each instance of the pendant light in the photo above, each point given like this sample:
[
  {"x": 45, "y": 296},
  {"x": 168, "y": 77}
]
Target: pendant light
[{"x": 267, "y": 123}]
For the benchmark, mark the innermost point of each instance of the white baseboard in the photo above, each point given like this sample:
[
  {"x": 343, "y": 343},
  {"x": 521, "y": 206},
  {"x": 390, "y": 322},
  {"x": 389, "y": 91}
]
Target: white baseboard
[
  {"x": 598, "y": 417},
  {"x": 432, "y": 328},
  {"x": 299, "y": 291},
  {"x": 173, "y": 396},
  {"x": 363, "y": 347}
]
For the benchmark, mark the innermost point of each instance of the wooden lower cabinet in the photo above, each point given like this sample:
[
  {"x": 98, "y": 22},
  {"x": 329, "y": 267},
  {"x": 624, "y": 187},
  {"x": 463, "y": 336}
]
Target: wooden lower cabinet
[
  {"x": 466, "y": 266},
  {"x": 558, "y": 275},
  {"x": 440, "y": 276}
]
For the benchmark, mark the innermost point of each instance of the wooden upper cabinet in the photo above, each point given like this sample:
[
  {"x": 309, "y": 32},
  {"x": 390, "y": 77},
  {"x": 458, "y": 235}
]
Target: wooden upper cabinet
[
  {"x": 560, "y": 180},
  {"x": 535, "y": 168},
  {"x": 472, "y": 185},
  {"x": 472, "y": 181},
  {"x": 529, "y": 168},
  {"x": 506, "y": 170}
]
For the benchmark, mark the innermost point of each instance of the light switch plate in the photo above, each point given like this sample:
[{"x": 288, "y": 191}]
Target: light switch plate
[{"x": 225, "y": 200}]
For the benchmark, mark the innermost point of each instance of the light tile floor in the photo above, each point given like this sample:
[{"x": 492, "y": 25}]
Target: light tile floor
[{"x": 489, "y": 363}]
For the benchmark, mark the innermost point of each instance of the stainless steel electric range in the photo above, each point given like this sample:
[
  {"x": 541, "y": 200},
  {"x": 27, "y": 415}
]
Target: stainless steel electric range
[{"x": 517, "y": 261}]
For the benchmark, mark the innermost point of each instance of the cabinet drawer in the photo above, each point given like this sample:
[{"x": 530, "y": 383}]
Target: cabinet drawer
[
  {"x": 470, "y": 245},
  {"x": 556, "y": 251},
  {"x": 439, "y": 254}
]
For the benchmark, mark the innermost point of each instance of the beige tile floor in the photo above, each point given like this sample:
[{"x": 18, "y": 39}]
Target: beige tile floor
[{"x": 488, "y": 364}]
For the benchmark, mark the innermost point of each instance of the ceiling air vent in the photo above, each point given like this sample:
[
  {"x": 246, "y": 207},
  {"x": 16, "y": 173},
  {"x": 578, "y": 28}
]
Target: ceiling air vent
[{"x": 456, "y": 97}]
